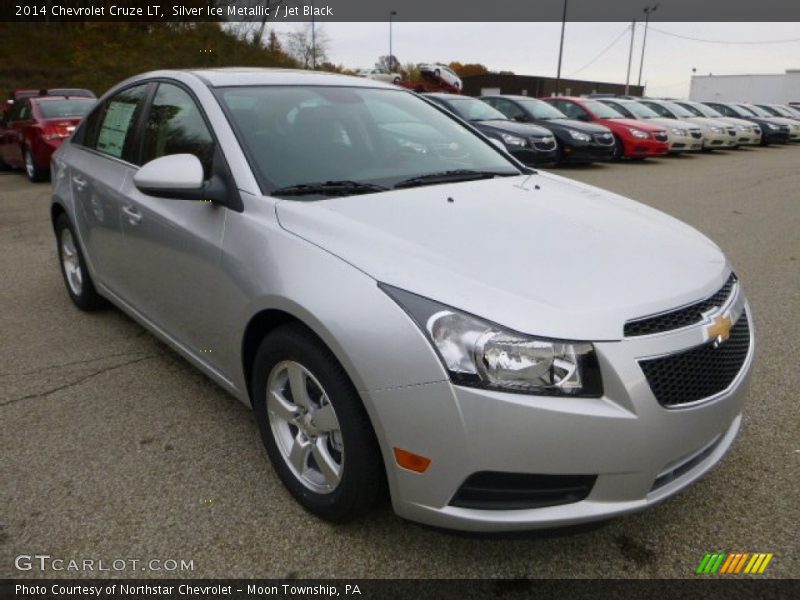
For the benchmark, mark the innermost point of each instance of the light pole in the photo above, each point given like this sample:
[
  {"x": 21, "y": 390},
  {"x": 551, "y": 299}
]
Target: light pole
[
  {"x": 561, "y": 49},
  {"x": 647, "y": 11},
  {"x": 392, "y": 13},
  {"x": 630, "y": 58}
]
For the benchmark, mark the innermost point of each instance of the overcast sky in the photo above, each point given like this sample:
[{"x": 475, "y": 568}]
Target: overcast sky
[{"x": 532, "y": 48}]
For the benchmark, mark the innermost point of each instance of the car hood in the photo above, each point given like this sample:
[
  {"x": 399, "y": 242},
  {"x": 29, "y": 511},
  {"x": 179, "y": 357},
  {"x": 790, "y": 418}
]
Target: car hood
[
  {"x": 733, "y": 121},
  {"x": 537, "y": 253},
  {"x": 508, "y": 126},
  {"x": 668, "y": 124},
  {"x": 643, "y": 125},
  {"x": 581, "y": 126},
  {"x": 706, "y": 123}
]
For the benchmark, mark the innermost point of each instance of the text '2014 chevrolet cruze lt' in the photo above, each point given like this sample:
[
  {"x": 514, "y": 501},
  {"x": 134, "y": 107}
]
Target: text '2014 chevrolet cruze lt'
[{"x": 401, "y": 302}]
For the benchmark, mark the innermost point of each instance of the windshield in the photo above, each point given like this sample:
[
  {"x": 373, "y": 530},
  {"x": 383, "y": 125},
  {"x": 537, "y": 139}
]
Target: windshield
[
  {"x": 55, "y": 109},
  {"x": 538, "y": 109},
  {"x": 678, "y": 110},
  {"x": 704, "y": 111},
  {"x": 297, "y": 135},
  {"x": 640, "y": 111},
  {"x": 602, "y": 111},
  {"x": 745, "y": 109},
  {"x": 760, "y": 112},
  {"x": 474, "y": 110}
]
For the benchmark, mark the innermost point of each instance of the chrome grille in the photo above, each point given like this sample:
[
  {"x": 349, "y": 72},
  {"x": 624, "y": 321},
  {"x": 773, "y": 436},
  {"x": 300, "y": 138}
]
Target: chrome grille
[{"x": 681, "y": 317}]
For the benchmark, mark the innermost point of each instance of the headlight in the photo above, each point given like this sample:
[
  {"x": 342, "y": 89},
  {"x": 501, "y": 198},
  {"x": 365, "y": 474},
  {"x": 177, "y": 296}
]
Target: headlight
[
  {"x": 677, "y": 131},
  {"x": 772, "y": 126},
  {"x": 639, "y": 133},
  {"x": 512, "y": 140},
  {"x": 478, "y": 353},
  {"x": 718, "y": 129},
  {"x": 577, "y": 135}
]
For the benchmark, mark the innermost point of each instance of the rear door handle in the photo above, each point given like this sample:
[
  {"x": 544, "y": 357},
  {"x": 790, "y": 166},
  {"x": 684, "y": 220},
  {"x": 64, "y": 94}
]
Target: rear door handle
[{"x": 134, "y": 216}]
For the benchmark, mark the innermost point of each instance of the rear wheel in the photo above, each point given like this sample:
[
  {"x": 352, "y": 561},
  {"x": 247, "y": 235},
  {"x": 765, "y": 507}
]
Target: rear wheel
[
  {"x": 315, "y": 429},
  {"x": 396, "y": 81},
  {"x": 73, "y": 268},
  {"x": 35, "y": 173}
]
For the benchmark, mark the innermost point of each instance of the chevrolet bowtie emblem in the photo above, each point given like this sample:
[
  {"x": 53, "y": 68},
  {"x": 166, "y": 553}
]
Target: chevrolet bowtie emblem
[{"x": 720, "y": 329}]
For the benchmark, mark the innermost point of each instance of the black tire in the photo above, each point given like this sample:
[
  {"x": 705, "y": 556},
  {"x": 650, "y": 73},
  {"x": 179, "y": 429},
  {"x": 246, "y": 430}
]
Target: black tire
[
  {"x": 437, "y": 73},
  {"x": 34, "y": 172},
  {"x": 618, "y": 149},
  {"x": 362, "y": 475},
  {"x": 84, "y": 296},
  {"x": 396, "y": 81}
]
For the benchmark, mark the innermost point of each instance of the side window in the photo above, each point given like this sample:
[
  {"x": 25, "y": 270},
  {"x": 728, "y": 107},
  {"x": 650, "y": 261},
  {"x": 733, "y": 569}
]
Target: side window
[
  {"x": 114, "y": 134},
  {"x": 85, "y": 135},
  {"x": 175, "y": 125},
  {"x": 25, "y": 111}
]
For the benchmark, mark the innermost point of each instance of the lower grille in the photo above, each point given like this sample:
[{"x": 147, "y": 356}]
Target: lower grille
[
  {"x": 493, "y": 490},
  {"x": 545, "y": 143},
  {"x": 700, "y": 372}
]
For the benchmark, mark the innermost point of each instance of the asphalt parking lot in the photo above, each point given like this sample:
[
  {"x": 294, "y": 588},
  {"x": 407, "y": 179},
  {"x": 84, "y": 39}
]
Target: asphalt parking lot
[{"x": 113, "y": 447}]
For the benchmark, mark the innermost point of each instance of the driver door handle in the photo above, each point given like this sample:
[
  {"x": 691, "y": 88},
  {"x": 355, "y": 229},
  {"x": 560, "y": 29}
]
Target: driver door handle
[{"x": 133, "y": 214}]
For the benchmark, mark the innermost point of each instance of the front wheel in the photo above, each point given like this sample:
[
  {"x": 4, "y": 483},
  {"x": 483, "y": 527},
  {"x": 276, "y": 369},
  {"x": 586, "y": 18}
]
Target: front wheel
[
  {"x": 35, "y": 173},
  {"x": 618, "y": 149},
  {"x": 315, "y": 429}
]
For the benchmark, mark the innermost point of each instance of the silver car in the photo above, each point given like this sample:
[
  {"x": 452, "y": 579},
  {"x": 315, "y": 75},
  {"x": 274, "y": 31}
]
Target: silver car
[{"x": 404, "y": 305}]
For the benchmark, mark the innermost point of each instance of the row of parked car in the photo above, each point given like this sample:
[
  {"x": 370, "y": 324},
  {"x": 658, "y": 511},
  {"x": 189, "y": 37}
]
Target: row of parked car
[
  {"x": 561, "y": 129},
  {"x": 557, "y": 129}
]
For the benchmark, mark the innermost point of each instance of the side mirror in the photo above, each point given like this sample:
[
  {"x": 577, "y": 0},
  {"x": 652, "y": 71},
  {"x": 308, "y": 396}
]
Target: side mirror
[
  {"x": 179, "y": 176},
  {"x": 521, "y": 118}
]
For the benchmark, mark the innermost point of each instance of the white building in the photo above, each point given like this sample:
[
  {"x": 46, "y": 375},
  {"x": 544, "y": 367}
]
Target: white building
[{"x": 779, "y": 88}]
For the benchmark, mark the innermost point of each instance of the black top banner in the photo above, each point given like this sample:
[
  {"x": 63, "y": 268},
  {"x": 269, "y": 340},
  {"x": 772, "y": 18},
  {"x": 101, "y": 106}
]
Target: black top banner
[{"x": 400, "y": 10}]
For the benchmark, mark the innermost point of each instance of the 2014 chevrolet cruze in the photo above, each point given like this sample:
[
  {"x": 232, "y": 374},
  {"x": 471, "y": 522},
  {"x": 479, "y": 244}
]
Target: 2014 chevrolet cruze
[{"x": 401, "y": 302}]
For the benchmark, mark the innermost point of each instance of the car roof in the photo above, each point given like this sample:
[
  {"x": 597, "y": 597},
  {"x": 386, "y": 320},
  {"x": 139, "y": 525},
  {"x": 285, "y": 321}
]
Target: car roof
[{"x": 246, "y": 76}]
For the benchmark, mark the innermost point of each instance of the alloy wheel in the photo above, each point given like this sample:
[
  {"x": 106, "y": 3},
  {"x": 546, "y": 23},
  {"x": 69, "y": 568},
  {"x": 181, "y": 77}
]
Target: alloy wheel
[
  {"x": 71, "y": 262},
  {"x": 305, "y": 427}
]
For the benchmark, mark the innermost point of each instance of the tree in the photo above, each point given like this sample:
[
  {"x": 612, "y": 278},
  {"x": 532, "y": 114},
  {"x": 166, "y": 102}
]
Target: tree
[
  {"x": 465, "y": 70},
  {"x": 308, "y": 48},
  {"x": 273, "y": 43},
  {"x": 390, "y": 63}
]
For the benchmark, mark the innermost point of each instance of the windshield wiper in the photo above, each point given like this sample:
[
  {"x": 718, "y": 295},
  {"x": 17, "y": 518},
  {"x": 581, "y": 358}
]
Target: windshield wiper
[
  {"x": 329, "y": 188},
  {"x": 449, "y": 177}
]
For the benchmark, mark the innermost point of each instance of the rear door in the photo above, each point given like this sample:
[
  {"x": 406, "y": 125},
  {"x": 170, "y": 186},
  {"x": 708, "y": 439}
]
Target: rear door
[
  {"x": 173, "y": 273},
  {"x": 99, "y": 163}
]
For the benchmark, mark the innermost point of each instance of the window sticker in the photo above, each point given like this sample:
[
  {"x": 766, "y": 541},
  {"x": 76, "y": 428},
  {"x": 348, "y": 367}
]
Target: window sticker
[{"x": 115, "y": 128}]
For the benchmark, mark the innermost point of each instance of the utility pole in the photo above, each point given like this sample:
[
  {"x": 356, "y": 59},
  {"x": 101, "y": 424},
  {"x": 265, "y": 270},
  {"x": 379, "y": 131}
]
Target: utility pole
[
  {"x": 630, "y": 58},
  {"x": 647, "y": 11},
  {"x": 561, "y": 49},
  {"x": 392, "y": 13}
]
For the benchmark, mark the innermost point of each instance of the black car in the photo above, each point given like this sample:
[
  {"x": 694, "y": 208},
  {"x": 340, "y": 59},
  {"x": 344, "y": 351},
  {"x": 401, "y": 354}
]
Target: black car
[
  {"x": 771, "y": 133},
  {"x": 530, "y": 144},
  {"x": 578, "y": 142}
]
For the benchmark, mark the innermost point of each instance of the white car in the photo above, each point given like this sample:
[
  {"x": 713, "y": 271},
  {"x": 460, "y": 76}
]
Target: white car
[
  {"x": 749, "y": 133},
  {"x": 441, "y": 74},
  {"x": 380, "y": 74}
]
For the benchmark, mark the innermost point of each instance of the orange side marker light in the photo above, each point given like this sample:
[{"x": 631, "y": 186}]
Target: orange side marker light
[{"x": 412, "y": 462}]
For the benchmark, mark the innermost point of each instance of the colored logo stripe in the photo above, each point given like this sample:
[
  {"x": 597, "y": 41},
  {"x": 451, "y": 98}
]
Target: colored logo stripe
[{"x": 734, "y": 563}]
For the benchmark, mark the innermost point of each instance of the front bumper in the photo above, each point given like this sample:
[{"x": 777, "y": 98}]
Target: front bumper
[
  {"x": 683, "y": 143},
  {"x": 640, "y": 451},
  {"x": 641, "y": 148},
  {"x": 714, "y": 141}
]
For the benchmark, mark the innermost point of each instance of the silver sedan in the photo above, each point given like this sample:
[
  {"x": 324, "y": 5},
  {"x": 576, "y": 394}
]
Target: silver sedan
[{"x": 406, "y": 308}]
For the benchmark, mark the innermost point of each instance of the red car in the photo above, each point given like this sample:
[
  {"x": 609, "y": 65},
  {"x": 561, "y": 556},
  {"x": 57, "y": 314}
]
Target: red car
[
  {"x": 635, "y": 139},
  {"x": 35, "y": 127}
]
